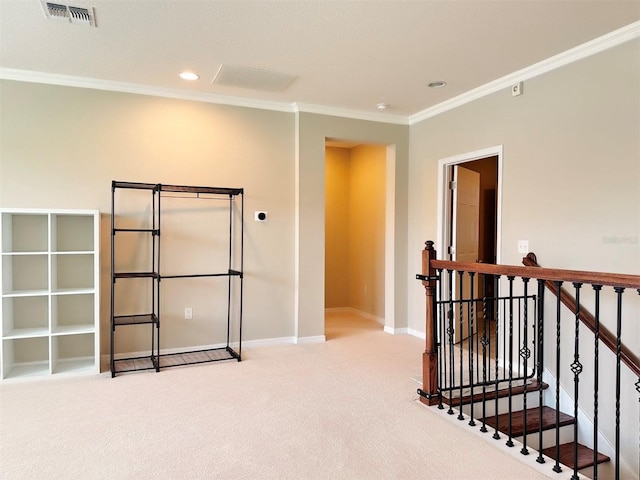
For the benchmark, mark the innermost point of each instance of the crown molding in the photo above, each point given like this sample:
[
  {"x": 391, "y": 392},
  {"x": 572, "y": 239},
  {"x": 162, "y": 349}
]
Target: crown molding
[
  {"x": 96, "y": 84},
  {"x": 347, "y": 113},
  {"x": 612, "y": 39}
]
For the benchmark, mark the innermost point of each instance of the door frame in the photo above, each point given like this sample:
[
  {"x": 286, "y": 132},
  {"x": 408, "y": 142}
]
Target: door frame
[{"x": 443, "y": 205}]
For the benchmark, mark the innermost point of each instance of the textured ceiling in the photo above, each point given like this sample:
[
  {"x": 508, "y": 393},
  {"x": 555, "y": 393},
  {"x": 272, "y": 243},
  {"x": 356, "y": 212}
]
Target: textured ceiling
[{"x": 345, "y": 54}]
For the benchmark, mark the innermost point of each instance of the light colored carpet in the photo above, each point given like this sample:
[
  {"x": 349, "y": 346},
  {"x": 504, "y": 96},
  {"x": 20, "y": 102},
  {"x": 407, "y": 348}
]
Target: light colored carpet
[{"x": 344, "y": 409}]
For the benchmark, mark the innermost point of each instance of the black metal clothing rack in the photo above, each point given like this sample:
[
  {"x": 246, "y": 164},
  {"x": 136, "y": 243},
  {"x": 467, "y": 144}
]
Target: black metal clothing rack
[{"x": 155, "y": 360}]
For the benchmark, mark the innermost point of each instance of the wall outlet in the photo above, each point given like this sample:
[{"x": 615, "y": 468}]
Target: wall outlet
[
  {"x": 261, "y": 216},
  {"x": 188, "y": 313},
  {"x": 523, "y": 246}
]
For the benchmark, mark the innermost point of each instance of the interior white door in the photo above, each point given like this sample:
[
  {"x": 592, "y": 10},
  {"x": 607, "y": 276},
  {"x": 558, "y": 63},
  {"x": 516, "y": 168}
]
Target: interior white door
[{"x": 466, "y": 233}]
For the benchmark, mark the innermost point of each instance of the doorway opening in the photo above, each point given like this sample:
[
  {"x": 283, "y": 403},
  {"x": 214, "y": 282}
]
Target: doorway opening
[
  {"x": 469, "y": 226},
  {"x": 355, "y": 237}
]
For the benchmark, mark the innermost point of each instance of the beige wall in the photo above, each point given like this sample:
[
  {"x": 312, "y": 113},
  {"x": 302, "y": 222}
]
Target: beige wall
[
  {"x": 313, "y": 130},
  {"x": 571, "y": 183},
  {"x": 571, "y": 166},
  {"x": 355, "y": 228},
  {"x": 61, "y": 147},
  {"x": 367, "y": 229},
  {"x": 336, "y": 284}
]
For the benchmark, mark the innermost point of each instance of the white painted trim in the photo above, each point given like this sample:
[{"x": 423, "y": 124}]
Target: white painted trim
[
  {"x": 443, "y": 190},
  {"x": 592, "y": 47},
  {"x": 567, "y": 57},
  {"x": 356, "y": 312},
  {"x": 246, "y": 344},
  {"x": 390, "y": 239},
  {"x": 96, "y": 84},
  {"x": 348, "y": 113},
  {"x": 309, "y": 340},
  {"x": 416, "y": 333},
  {"x": 268, "y": 342},
  {"x": 396, "y": 331},
  {"x": 296, "y": 228}
]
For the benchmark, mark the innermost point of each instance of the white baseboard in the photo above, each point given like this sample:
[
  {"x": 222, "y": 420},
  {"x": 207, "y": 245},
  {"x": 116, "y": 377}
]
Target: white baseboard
[
  {"x": 396, "y": 331},
  {"x": 308, "y": 340},
  {"x": 380, "y": 320},
  {"x": 416, "y": 333},
  {"x": 246, "y": 344}
]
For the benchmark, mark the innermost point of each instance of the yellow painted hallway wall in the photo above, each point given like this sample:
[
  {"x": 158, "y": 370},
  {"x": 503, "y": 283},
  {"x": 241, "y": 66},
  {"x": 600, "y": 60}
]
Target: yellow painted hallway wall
[{"x": 354, "y": 228}]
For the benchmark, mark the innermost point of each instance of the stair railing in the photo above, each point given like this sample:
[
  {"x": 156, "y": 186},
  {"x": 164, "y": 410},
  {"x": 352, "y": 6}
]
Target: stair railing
[{"x": 488, "y": 336}]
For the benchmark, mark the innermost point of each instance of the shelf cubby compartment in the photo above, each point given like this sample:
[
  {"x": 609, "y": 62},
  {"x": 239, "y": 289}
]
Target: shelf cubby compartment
[
  {"x": 72, "y": 273},
  {"x": 25, "y": 274},
  {"x": 49, "y": 291},
  {"x": 72, "y": 313},
  {"x": 72, "y": 233},
  {"x": 25, "y": 232},
  {"x": 25, "y": 357},
  {"x": 24, "y": 317},
  {"x": 73, "y": 353}
]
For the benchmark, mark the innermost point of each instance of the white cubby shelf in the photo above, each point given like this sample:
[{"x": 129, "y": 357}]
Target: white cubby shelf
[{"x": 49, "y": 278}]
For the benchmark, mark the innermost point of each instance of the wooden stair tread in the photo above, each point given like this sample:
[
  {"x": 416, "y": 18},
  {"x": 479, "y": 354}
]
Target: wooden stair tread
[
  {"x": 491, "y": 393},
  {"x": 585, "y": 455},
  {"x": 533, "y": 421}
]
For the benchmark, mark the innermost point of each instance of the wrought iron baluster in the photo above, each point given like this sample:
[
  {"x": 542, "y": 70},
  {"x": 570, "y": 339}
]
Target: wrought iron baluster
[
  {"x": 441, "y": 346},
  {"x": 525, "y": 353},
  {"x": 510, "y": 365},
  {"x": 471, "y": 324},
  {"x": 619, "y": 291},
  {"x": 450, "y": 338},
  {"x": 556, "y": 467},
  {"x": 576, "y": 368},
  {"x": 484, "y": 343},
  {"x": 496, "y": 435},
  {"x": 461, "y": 326},
  {"x": 596, "y": 347},
  {"x": 540, "y": 363},
  {"x": 518, "y": 320}
]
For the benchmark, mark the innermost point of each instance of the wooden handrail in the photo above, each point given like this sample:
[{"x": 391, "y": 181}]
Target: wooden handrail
[
  {"x": 607, "y": 337},
  {"x": 553, "y": 274},
  {"x": 431, "y": 266}
]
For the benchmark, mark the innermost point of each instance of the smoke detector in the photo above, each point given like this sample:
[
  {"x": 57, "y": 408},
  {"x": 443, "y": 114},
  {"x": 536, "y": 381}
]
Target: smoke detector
[{"x": 69, "y": 13}]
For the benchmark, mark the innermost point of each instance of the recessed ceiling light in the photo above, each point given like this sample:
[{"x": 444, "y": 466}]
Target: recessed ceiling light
[
  {"x": 382, "y": 106},
  {"x": 189, "y": 76},
  {"x": 438, "y": 84}
]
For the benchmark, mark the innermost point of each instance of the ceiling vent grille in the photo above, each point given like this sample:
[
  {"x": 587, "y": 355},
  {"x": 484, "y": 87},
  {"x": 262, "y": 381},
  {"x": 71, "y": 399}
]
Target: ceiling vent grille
[
  {"x": 253, "y": 78},
  {"x": 69, "y": 14}
]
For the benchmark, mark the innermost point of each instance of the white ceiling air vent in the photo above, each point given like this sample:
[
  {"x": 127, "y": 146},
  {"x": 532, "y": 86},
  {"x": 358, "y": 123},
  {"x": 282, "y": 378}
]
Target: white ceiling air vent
[
  {"x": 253, "y": 78},
  {"x": 69, "y": 13}
]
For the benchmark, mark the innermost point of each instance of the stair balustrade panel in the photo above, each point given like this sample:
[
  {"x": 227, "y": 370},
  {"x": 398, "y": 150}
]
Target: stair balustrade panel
[{"x": 535, "y": 355}]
